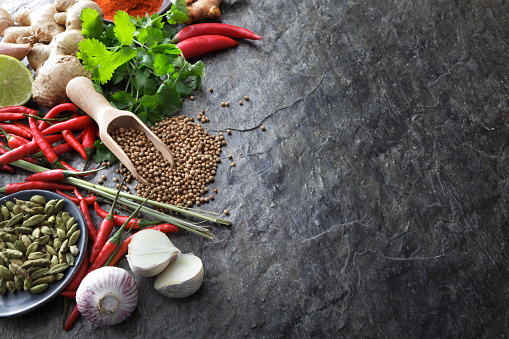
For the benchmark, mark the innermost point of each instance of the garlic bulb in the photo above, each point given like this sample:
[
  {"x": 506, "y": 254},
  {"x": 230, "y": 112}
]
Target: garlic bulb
[
  {"x": 107, "y": 296},
  {"x": 150, "y": 251},
  {"x": 181, "y": 278}
]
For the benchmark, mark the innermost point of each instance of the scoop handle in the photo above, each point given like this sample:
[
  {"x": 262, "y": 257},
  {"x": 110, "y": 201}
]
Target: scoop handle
[{"x": 82, "y": 93}]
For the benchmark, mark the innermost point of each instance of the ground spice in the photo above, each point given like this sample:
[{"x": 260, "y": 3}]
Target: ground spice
[{"x": 132, "y": 7}]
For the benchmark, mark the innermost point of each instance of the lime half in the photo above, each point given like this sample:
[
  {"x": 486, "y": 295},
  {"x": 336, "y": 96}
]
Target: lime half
[{"x": 15, "y": 82}]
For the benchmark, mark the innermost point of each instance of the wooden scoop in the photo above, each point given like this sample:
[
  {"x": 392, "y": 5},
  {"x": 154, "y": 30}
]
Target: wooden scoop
[{"x": 82, "y": 93}]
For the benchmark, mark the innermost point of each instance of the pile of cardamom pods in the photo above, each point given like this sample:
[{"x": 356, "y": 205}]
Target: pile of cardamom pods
[{"x": 38, "y": 242}]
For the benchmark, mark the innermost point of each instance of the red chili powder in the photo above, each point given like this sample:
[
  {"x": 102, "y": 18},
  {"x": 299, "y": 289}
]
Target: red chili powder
[{"x": 132, "y": 7}]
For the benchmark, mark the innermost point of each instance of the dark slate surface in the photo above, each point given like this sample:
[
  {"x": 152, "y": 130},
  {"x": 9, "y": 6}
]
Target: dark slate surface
[{"x": 374, "y": 204}]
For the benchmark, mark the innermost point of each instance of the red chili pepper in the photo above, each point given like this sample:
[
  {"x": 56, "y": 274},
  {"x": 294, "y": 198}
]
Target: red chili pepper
[
  {"x": 68, "y": 294},
  {"x": 92, "y": 232},
  {"x": 215, "y": 29},
  {"x": 203, "y": 44},
  {"x": 71, "y": 140},
  {"x": 18, "y": 130},
  {"x": 35, "y": 185},
  {"x": 43, "y": 144},
  {"x": 55, "y": 175},
  {"x": 15, "y": 141},
  {"x": 75, "y": 314},
  {"x": 78, "y": 123},
  {"x": 120, "y": 219},
  {"x": 52, "y": 113},
  {"x": 89, "y": 138},
  {"x": 7, "y": 168},
  {"x": 59, "y": 149},
  {"x": 11, "y": 116},
  {"x": 165, "y": 228},
  {"x": 18, "y": 153},
  {"x": 17, "y": 109},
  {"x": 80, "y": 274},
  {"x": 90, "y": 200},
  {"x": 104, "y": 231},
  {"x": 22, "y": 125}
]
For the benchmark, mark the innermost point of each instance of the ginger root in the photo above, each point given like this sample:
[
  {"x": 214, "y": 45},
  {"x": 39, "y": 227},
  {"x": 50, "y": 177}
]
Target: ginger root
[
  {"x": 57, "y": 28},
  {"x": 202, "y": 9},
  {"x": 38, "y": 25}
]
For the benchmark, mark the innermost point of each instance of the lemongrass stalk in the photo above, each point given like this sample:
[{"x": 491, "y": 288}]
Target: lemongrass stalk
[
  {"x": 87, "y": 185},
  {"x": 168, "y": 218}
]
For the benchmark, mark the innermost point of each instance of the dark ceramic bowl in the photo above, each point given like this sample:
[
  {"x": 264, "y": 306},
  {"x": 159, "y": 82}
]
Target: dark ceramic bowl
[
  {"x": 23, "y": 301},
  {"x": 165, "y": 6}
]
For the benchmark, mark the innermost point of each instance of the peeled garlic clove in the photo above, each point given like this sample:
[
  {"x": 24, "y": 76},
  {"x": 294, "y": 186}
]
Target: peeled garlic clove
[
  {"x": 150, "y": 251},
  {"x": 181, "y": 278}
]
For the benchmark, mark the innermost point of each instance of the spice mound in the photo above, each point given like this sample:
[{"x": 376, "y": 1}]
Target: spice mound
[
  {"x": 132, "y": 7},
  {"x": 196, "y": 156},
  {"x": 38, "y": 243}
]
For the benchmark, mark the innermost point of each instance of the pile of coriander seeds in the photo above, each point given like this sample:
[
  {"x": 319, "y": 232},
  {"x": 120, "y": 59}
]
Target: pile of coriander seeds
[{"x": 196, "y": 156}]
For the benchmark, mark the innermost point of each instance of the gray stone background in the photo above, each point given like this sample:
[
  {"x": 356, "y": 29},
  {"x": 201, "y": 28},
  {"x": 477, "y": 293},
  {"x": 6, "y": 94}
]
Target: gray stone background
[{"x": 374, "y": 204}]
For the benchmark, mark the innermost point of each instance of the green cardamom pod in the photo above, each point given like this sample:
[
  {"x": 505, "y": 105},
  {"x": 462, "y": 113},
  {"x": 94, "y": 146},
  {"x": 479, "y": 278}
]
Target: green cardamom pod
[
  {"x": 73, "y": 229},
  {"x": 65, "y": 216},
  {"x": 17, "y": 209},
  {"x": 9, "y": 245},
  {"x": 73, "y": 239},
  {"x": 23, "y": 230},
  {"x": 5, "y": 273},
  {"x": 52, "y": 219},
  {"x": 41, "y": 272},
  {"x": 20, "y": 246},
  {"x": 45, "y": 280},
  {"x": 36, "y": 255},
  {"x": 65, "y": 246},
  {"x": 50, "y": 250},
  {"x": 36, "y": 232},
  {"x": 70, "y": 258},
  {"x": 70, "y": 223},
  {"x": 58, "y": 268},
  {"x": 16, "y": 219},
  {"x": 34, "y": 220},
  {"x": 52, "y": 202},
  {"x": 49, "y": 210},
  {"x": 39, "y": 199},
  {"x": 27, "y": 284},
  {"x": 2, "y": 245},
  {"x": 39, "y": 288},
  {"x": 61, "y": 258},
  {"x": 54, "y": 261},
  {"x": 13, "y": 254},
  {"x": 4, "y": 259},
  {"x": 18, "y": 270},
  {"x": 26, "y": 240},
  {"x": 57, "y": 243},
  {"x": 74, "y": 250},
  {"x": 11, "y": 286},
  {"x": 18, "y": 282},
  {"x": 32, "y": 248},
  {"x": 5, "y": 213},
  {"x": 10, "y": 205},
  {"x": 33, "y": 210},
  {"x": 45, "y": 230},
  {"x": 8, "y": 237},
  {"x": 61, "y": 234},
  {"x": 36, "y": 262},
  {"x": 59, "y": 206},
  {"x": 59, "y": 276},
  {"x": 44, "y": 240}
]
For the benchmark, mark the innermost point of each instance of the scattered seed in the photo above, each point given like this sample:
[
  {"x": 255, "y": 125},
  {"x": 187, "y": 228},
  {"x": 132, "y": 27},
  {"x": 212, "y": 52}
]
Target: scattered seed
[
  {"x": 103, "y": 177},
  {"x": 246, "y": 98},
  {"x": 191, "y": 97},
  {"x": 223, "y": 104},
  {"x": 227, "y": 104},
  {"x": 215, "y": 190},
  {"x": 262, "y": 128},
  {"x": 226, "y": 212},
  {"x": 230, "y": 156},
  {"x": 229, "y": 132},
  {"x": 115, "y": 179},
  {"x": 99, "y": 181},
  {"x": 211, "y": 90},
  {"x": 234, "y": 164},
  {"x": 241, "y": 103}
]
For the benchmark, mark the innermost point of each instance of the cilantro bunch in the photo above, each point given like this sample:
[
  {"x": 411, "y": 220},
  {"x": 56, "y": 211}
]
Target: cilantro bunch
[{"x": 136, "y": 57}]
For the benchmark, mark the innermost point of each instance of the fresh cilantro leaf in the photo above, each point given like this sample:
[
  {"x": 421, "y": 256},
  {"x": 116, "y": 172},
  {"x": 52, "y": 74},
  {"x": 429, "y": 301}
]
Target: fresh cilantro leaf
[
  {"x": 102, "y": 153},
  {"x": 124, "y": 28},
  {"x": 162, "y": 66},
  {"x": 183, "y": 89},
  {"x": 150, "y": 36},
  {"x": 92, "y": 23},
  {"x": 145, "y": 57},
  {"x": 167, "y": 48},
  {"x": 177, "y": 13},
  {"x": 143, "y": 83},
  {"x": 123, "y": 100},
  {"x": 169, "y": 99}
]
